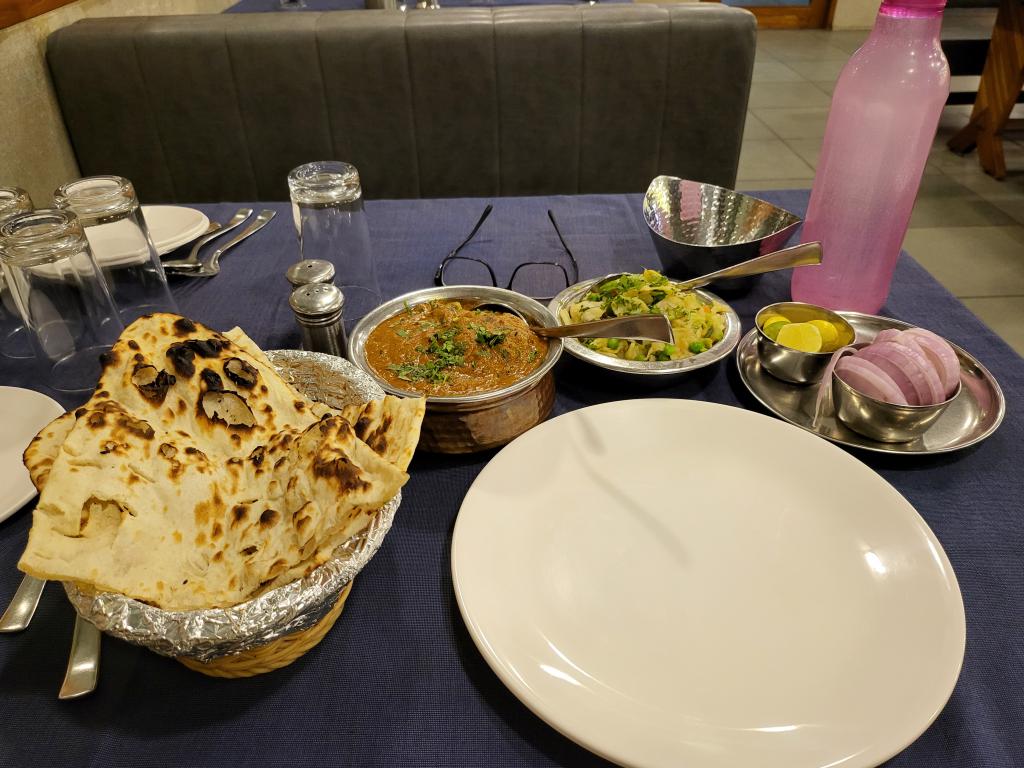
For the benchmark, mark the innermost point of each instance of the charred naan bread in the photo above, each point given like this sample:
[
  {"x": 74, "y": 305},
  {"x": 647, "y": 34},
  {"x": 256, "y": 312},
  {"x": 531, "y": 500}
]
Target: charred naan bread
[{"x": 196, "y": 477}]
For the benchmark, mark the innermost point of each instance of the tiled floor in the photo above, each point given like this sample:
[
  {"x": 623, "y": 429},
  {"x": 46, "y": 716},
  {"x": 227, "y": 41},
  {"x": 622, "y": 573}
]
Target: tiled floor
[{"x": 967, "y": 228}]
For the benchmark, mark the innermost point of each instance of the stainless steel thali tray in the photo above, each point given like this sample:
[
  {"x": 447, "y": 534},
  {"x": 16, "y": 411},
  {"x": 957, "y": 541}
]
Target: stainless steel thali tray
[
  {"x": 667, "y": 368},
  {"x": 973, "y": 416}
]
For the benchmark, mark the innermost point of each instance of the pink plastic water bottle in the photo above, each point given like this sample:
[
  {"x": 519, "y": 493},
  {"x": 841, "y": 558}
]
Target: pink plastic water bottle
[{"x": 884, "y": 113}]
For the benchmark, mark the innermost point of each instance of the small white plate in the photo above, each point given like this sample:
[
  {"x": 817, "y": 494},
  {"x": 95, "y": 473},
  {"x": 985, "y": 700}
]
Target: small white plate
[
  {"x": 170, "y": 226},
  {"x": 23, "y": 412},
  {"x": 679, "y": 583}
]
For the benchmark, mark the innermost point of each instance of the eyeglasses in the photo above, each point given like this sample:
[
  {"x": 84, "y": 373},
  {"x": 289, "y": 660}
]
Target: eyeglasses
[{"x": 537, "y": 279}]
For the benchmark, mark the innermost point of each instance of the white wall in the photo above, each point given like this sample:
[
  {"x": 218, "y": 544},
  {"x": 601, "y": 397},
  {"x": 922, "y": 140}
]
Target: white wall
[{"x": 34, "y": 150}]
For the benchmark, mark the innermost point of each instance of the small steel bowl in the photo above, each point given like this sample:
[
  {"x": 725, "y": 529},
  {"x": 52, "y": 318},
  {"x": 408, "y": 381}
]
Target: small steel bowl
[
  {"x": 666, "y": 371},
  {"x": 792, "y": 365},
  {"x": 700, "y": 228},
  {"x": 469, "y": 423},
  {"x": 881, "y": 421}
]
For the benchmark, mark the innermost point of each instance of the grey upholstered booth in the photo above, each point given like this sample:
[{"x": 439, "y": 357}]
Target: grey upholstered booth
[{"x": 459, "y": 102}]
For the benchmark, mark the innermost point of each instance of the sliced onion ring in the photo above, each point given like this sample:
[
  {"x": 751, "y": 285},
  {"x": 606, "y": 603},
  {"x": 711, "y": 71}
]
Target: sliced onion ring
[
  {"x": 940, "y": 354},
  {"x": 910, "y": 369},
  {"x": 869, "y": 379}
]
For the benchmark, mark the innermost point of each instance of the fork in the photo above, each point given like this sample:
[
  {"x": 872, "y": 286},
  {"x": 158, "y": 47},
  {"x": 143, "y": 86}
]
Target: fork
[
  {"x": 212, "y": 267},
  {"x": 191, "y": 262}
]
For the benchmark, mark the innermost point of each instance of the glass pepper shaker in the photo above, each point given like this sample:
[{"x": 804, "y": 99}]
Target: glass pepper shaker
[{"x": 319, "y": 310}]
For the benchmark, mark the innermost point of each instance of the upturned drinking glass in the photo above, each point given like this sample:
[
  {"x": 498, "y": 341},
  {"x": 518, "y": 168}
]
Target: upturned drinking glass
[
  {"x": 120, "y": 241},
  {"x": 60, "y": 295},
  {"x": 327, "y": 204},
  {"x": 14, "y": 341}
]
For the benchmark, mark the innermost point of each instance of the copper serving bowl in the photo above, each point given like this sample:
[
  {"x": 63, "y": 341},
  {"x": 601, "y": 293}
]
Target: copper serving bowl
[{"x": 482, "y": 420}]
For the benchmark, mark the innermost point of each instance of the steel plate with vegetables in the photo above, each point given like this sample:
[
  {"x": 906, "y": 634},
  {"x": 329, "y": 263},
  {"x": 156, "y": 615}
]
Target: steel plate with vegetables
[
  {"x": 704, "y": 328},
  {"x": 697, "y": 324}
]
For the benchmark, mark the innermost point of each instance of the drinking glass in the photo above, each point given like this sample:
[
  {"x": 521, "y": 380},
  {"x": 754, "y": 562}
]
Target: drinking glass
[
  {"x": 327, "y": 204},
  {"x": 13, "y": 337},
  {"x": 119, "y": 238},
  {"x": 61, "y": 296}
]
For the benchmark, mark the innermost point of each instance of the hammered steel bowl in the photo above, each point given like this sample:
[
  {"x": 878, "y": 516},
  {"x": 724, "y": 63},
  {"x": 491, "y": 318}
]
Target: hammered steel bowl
[
  {"x": 700, "y": 228},
  {"x": 470, "y": 423},
  {"x": 792, "y": 365},
  {"x": 881, "y": 421}
]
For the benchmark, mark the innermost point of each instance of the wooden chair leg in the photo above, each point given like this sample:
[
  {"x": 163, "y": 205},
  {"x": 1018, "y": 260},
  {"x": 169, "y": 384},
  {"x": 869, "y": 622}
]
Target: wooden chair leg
[{"x": 1001, "y": 83}]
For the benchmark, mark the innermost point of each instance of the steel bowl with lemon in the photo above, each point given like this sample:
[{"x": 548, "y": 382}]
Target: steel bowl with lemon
[{"x": 795, "y": 340}]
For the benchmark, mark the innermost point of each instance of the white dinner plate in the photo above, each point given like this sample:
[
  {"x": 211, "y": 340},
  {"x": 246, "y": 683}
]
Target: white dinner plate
[
  {"x": 679, "y": 583},
  {"x": 23, "y": 412},
  {"x": 170, "y": 226}
]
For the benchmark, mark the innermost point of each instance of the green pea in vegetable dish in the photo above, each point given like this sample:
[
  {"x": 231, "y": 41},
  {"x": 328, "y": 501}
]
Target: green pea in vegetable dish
[{"x": 696, "y": 325}]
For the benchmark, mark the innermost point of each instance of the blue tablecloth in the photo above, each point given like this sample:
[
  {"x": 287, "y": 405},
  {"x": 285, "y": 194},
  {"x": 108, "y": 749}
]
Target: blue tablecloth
[
  {"x": 398, "y": 682},
  {"x": 263, "y": 6}
]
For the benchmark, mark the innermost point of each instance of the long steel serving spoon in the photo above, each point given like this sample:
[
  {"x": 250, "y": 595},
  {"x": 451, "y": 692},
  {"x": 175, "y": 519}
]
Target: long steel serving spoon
[
  {"x": 802, "y": 255},
  {"x": 653, "y": 327}
]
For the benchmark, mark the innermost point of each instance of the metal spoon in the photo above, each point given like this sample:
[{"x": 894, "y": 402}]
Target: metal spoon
[
  {"x": 23, "y": 605},
  {"x": 654, "y": 327},
  {"x": 83, "y": 661},
  {"x": 802, "y": 255},
  {"x": 647, "y": 327}
]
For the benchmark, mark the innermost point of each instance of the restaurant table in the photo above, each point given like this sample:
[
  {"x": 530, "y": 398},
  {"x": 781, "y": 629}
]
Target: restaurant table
[{"x": 397, "y": 681}]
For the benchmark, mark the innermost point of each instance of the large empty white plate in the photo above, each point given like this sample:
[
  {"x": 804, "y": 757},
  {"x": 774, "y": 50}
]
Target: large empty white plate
[
  {"x": 677, "y": 583},
  {"x": 23, "y": 413}
]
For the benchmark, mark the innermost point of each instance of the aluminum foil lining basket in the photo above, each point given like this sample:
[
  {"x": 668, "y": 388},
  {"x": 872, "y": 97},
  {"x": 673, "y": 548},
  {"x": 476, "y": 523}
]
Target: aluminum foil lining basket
[
  {"x": 209, "y": 634},
  {"x": 699, "y": 228}
]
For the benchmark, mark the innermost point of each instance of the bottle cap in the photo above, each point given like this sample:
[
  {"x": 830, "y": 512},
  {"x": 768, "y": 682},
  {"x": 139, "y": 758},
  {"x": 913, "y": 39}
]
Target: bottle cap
[
  {"x": 317, "y": 302},
  {"x": 310, "y": 271},
  {"x": 912, "y": 9}
]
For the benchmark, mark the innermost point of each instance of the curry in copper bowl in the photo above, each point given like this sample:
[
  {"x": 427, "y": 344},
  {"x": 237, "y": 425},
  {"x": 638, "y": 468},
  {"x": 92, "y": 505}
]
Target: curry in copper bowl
[
  {"x": 441, "y": 348},
  {"x": 487, "y": 378}
]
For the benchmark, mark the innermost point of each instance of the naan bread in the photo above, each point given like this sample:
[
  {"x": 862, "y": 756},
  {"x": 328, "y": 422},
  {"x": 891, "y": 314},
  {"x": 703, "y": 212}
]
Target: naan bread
[
  {"x": 391, "y": 426},
  {"x": 196, "y": 477}
]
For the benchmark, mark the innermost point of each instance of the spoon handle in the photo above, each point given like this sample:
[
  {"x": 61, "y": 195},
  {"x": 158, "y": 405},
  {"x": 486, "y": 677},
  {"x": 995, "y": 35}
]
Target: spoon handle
[
  {"x": 802, "y": 255},
  {"x": 649, "y": 327},
  {"x": 83, "y": 661},
  {"x": 23, "y": 606}
]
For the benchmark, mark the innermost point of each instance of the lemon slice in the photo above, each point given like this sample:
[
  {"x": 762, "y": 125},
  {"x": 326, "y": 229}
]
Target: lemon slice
[
  {"x": 772, "y": 318},
  {"x": 771, "y": 330},
  {"x": 803, "y": 337},
  {"x": 829, "y": 333}
]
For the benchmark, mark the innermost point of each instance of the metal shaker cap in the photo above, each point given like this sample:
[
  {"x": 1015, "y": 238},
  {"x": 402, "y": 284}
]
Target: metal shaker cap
[
  {"x": 317, "y": 301},
  {"x": 310, "y": 271}
]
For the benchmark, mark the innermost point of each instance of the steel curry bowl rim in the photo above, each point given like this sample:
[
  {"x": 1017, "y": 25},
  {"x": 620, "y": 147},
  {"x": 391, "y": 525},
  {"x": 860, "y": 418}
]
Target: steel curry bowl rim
[{"x": 532, "y": 309}]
